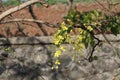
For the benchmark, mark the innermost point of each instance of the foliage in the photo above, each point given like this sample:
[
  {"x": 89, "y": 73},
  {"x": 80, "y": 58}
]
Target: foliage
[
  {"x": 59, "y": 1},
  {"x": 86, "y": 23},
  {"x": 13, "y": 2},
  {"x": 86, "y": 1}
]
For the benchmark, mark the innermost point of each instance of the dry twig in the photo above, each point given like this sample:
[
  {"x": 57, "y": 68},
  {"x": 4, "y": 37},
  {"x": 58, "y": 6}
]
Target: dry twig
[
  {"x": 29, "y": 20},
  {"x": 22, "y": 6}
]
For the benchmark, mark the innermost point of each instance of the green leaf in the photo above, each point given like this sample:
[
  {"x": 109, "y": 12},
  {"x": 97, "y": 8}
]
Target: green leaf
[
  {"x": 95, "y": 57},
  {"x": 114, "y": 30}
]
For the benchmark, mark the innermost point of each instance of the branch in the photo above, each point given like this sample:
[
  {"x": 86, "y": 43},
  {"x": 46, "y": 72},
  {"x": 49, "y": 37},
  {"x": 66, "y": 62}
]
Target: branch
[
  {"x": 90, "y": 58},
  {"x": 16, "y": 23},
  {"x": 22, "y": 6},
  {"x": 70, "y": 4},
  {"x": 114, "y": 50},
  {"x": 29, "y": 20},
  {"x": 30, "y": 9}
]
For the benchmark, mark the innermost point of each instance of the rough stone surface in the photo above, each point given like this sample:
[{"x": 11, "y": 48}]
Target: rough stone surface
[{"x": 33, "y": 62}]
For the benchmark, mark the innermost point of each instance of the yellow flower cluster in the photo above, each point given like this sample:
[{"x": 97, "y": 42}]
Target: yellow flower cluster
[
  {"x": 79, "y": 38},
  {"x": 89, "y": 28},
  {"x": 61, "y": 34},
  {"x": 80, "y": 46},
  {"x": 68, "y": 39},
  {"x": 57, "y": 62},
  {"x": 58, "y": 39},
  {"x": 70, "y": 22},
  {"x": 62, "y": 48},
  {"x": 80, "y": 30},
  {"x": 63, "y": 26},
  {"x": 57, "y": 54},
  {"x": 78, "y": 43}
]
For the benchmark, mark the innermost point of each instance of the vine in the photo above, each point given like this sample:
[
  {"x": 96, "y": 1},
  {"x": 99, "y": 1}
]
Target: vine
[{"x": 87, "y": 23}]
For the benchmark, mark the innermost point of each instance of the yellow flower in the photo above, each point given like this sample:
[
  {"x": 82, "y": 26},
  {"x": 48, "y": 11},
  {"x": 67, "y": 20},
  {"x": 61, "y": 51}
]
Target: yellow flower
[
  {"x": 62, "y": 48},
  {"x": 56, "y": 41},
  {"x": 73, "y": 48},
  {"x": 82, "y": 45},
  {"x": 64, "y": 27},
  {"x": 70, "y": 22},
  {"x": 80, "y": 30},
  {"x": 56, "y": 67},
  {"x": 60, "y": 37},
  {"x": 63, "y": 23},
  {"x": 52, "y": 67},
  {"x": 78, "y": 61},
  {"x": 57, "y": 62},
  {"x": 89, "y": 28},
  {"x": 57, "y": 54},
  {"x": 79, "y": 37}
]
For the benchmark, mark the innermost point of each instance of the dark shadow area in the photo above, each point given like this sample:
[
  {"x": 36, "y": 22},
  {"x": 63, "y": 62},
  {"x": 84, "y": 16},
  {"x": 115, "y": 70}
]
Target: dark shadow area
[{"x": 22, "y": 68}]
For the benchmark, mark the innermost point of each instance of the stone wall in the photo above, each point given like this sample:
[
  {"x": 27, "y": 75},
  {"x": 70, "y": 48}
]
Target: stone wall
[{"x": 30, "y": 58}]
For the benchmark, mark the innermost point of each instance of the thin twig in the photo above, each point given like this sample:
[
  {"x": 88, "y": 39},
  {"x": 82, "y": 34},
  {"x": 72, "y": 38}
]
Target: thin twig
[
  {"x": 103, "y": 34},
  {"x": 30, "y": 9},
  {"x": 16, "y": 23},
  {"x": 29, "y": 20},
  {"x": 90, "y": 58}
]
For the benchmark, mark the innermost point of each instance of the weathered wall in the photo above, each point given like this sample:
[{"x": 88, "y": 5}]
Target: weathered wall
[{"x": 29, "y": 58}]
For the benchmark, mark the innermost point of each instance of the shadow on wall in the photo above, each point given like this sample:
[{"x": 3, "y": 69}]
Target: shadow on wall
[
  {"x": 28, "y": 58},
  {"x": 13, "y": 67}
]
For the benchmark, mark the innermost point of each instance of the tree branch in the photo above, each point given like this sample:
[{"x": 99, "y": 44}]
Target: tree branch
[
  {"x": 30, "y": 9},
  {"x": 29, "y": 20},
  {"x": 16, "y": 23},
  {"x": 103, "y": 34},
  {"x": 22, "y": 6},
  {"x": 90, "y": 58}
]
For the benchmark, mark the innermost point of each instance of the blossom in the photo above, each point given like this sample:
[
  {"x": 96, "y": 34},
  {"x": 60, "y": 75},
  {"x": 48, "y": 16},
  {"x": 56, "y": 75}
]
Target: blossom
[
  {"x": 58, "y": 39},
  {"x": 62, "y": 48},
  {"x": 56, "y": 67},
  {"x": 89, "y": 28},
  {"x": 82, "y": 45},
  {"x": 80, "y": 30},
  {"x": 57, "y": 54},
  {"x": 63, "y": 26},
  {"x": 79, "y": 37},
  {"x": 57, "y": 62},
  {"x": 70, "y": 22}
]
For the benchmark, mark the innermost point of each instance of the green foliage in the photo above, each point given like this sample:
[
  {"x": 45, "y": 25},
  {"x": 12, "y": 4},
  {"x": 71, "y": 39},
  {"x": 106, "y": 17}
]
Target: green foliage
[
  {"x": 59, "y": 1},
  {"x": 86, "y": 23},
  {"x": 11, "y": 2},
  {"x": 113, "y": 24},
  {"x": 65, "y": 1},
  {"x": 15, "y": 2}
]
